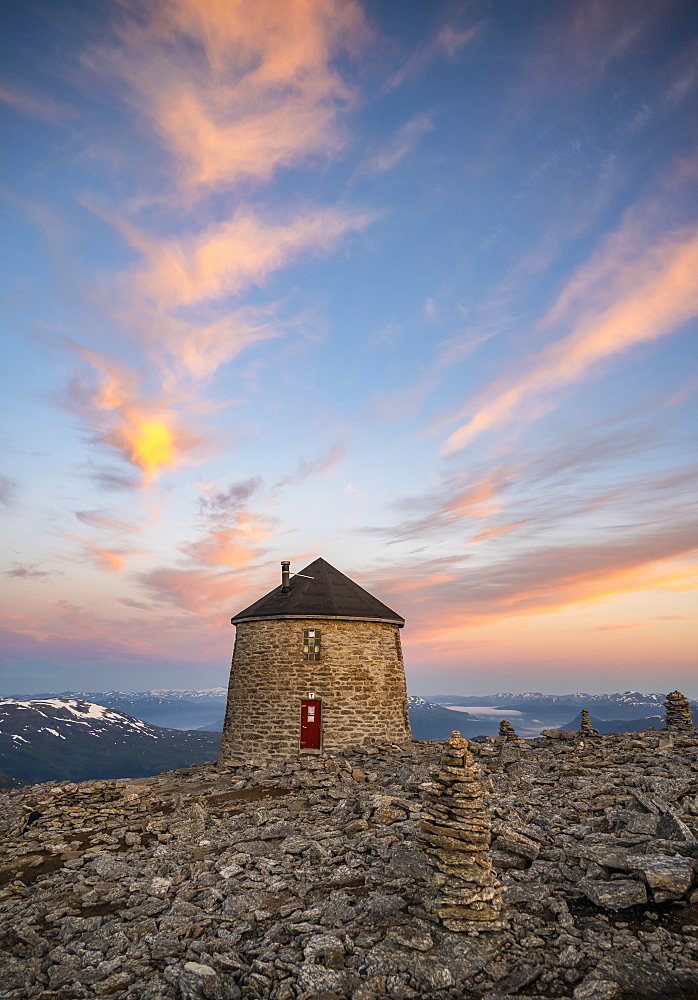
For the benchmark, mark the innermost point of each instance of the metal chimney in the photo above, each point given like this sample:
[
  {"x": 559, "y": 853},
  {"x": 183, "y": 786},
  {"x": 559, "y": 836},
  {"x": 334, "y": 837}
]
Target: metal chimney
[{"x": 285, "y": 575}]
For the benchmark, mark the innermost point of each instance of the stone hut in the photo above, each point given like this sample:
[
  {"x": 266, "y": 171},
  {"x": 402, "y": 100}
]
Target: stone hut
[{"x": 317, "y": 666}]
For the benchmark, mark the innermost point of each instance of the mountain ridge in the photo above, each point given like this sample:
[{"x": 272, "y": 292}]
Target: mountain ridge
[{"x": 58, "y": 739}]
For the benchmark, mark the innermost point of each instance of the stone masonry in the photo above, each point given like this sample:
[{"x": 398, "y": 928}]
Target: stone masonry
[
  {"x": 359, "y": 679},
  {"x": 585, "y": 726},
  {"x": 507, "y": 731},
  {"x": 454, "y": 833},
  {"x": 678, "y": 711}
]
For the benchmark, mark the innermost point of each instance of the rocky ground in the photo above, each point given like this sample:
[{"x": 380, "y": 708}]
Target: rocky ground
[{"x": 300, "y": 880}]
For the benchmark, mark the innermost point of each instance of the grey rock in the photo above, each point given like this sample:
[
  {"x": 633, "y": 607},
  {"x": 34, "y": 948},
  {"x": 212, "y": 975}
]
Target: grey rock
[
  {"x": 615, "y": 895},
  {"x": 597, "y": 989},
  {"x": 316, "y": 979},
  {"x": 521, "y": 978},
  {"x": 327, "y": 947},
  {"x": 503, "y": 860},
  {"x": 643, "y": 980},
  {"x": 121, "y": 905},
  {"x": 411, "y": 937},
  {"x": 438, "y": 977},
  {"x": 671, "y": 827},
  {"x": 569, "y": 958},
  {"x": 15, "y": 973},
  {"x": 669, "y": 878}
]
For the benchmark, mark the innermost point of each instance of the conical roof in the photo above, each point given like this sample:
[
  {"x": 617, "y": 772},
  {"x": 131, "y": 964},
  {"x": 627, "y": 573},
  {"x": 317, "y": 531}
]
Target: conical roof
[{"x": 329, "y": 594}]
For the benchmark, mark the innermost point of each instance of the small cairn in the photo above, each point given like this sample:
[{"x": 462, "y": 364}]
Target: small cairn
[
  {"x": 678, "y": 711},
  {"x": 454, "y": 833},
  {"x": 585, "y": 727},
  {"x": 507, "y": 731}
]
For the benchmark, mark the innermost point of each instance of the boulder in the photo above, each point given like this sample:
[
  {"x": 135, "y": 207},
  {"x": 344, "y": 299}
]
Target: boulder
[
  {"x": 668, "y": 878},
  {"x": 615, "y": 895}
]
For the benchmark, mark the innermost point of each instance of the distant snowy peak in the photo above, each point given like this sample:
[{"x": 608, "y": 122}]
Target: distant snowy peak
[
  {"x": 168, "y": 694},
  {"x": 626, "y": 697},
  {"x": 629, "y": 698},
  {"x": 73, "y": 739},
  {"x": 61, "y": 718},
  {"x": 216, "y": 692}
]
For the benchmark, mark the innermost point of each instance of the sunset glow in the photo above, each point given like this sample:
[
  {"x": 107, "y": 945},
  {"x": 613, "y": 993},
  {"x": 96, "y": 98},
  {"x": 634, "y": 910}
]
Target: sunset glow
[
  {"x": 409, "y": 287},
  {"x": 149, "y": 445}
]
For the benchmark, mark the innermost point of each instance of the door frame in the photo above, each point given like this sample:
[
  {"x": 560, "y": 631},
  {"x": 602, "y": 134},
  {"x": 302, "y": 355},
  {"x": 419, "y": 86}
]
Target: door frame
[{"x": 310, "y": 750}]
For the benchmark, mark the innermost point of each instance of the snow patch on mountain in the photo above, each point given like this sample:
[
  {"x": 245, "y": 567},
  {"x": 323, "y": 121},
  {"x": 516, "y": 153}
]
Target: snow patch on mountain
[{"x": 63, "y": 714}]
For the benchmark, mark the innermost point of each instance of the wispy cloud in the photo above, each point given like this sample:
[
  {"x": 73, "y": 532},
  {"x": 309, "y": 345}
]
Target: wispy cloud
[
  {"x": 631, "y": 292},
  {"x": 35, "y": 105},
  {"x": 147, "y": 433},
  {"x": 201, "y": 592},
  {"x": 28, "y": 571},
  {"x": 454, "y": 502},
  {"x": 543, "y": 580},
  {"x": 106, "y": 558},
  {"x": 582, "y": 41},
  {"x": 321, "y": 465},
  {"x": 495, "y": 532},
  {"x": 237, "y": 91},
  {"x": 446, "y": 42},
  {"x": 220, "y": 503},
  {"x": 233, "y": 93},
  {"x": 402, "y": 142},
  {"x": 107, "y": 522},
  {"x": 235, "y": 545},
  {"x": 223, "y": 260},
  {"x": 232, "y": 534},
  {"x": 8, "y": 491}
]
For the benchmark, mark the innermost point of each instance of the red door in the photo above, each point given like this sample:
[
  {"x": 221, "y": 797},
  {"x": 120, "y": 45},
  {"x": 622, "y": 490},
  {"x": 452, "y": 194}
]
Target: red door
[{"x": 311, "y": 714}]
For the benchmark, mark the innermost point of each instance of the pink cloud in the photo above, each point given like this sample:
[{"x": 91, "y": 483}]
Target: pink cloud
[
  {"x": 201, "y": 592},
  {"x": 148, "y": 434},
  {"x": 227, "y": 258},
  {"x": 454, "y": 503},
  {"x": 106, "y": 559},
  {"x": 495, "y": 532},
  {"x": 238, "y": 90},
  {"x": 631, "y": 292}
]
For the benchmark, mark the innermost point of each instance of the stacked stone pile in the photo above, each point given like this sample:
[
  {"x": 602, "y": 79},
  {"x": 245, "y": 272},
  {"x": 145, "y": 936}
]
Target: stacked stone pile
[
  {"x": 585, "y": 727},
  {"x": 678, "y": 711},
  {"x": 507, "y": 731},
  {"x": 454, "y": 834},
  {"x": 297, "y": 879}
]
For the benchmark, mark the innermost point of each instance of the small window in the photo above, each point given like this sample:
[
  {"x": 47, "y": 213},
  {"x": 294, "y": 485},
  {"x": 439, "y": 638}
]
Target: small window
[{"x": 311, "y": 644}]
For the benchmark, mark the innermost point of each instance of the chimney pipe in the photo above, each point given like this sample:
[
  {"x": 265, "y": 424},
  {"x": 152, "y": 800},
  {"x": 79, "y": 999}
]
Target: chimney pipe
[{"x": 285, "y": 575}]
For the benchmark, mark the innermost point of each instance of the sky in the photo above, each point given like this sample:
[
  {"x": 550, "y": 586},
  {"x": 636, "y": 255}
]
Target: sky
[{"x": 408, "y": 286}]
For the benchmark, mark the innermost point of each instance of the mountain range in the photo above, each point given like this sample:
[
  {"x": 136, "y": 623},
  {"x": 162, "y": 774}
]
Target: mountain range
[
  {"x": 169, "y": 708},
  {"x": 70, "y": 739},
  {"x": 77, "y": 736}
]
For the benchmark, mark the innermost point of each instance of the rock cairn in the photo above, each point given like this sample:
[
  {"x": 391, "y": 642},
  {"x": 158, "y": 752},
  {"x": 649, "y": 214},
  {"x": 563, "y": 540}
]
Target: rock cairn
[
  {"x": 507, "y": 731},
  {"x": 585, "y": 727},
  {"x": 678, "y": 711},
  {"x": 454, "y": 833}
]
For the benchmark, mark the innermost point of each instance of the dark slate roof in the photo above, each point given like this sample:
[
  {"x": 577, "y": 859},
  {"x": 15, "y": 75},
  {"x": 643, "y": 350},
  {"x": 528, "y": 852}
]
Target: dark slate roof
[{"x": 330, "y": 594}]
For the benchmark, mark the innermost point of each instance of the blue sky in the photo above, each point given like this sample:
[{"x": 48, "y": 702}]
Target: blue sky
[{"x": 411, "y": 287}]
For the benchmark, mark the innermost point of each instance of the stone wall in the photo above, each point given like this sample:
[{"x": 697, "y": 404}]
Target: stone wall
[{"x": 359, "y": 678}]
